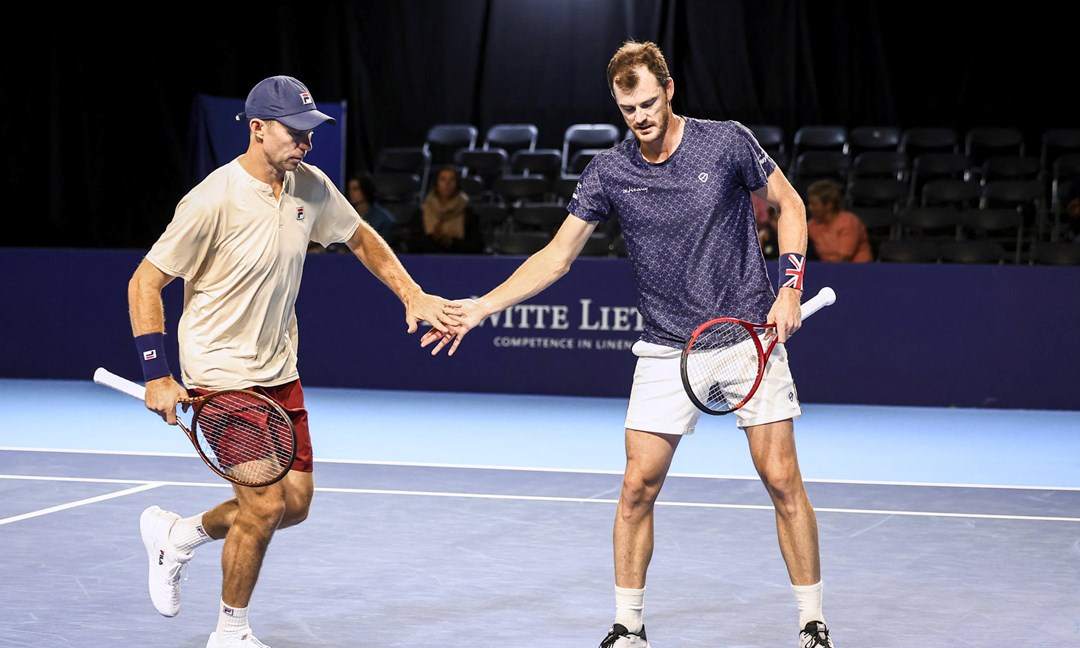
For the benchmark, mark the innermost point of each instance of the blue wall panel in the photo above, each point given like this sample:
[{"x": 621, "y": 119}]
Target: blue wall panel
[{"x": 899, "y": 334}]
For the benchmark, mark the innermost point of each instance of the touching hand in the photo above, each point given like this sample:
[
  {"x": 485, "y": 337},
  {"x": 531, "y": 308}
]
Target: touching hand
[
  {"x": 468, "y": 315},
  {"x": 440, "y": 313}
]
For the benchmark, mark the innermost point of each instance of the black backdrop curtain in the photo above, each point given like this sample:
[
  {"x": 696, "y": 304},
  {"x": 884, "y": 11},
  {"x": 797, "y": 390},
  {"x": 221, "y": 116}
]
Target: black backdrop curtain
[{"x": 95, "y": 113}]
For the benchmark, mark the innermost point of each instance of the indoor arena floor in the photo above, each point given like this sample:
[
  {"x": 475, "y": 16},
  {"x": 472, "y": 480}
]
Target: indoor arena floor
[{"x": 479, "y": 520}]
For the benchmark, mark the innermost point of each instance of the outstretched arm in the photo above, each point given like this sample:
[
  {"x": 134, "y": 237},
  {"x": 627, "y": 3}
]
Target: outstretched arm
[
  {"x": 377, "y": 257},
  {"x": 791, "y": 237},
  {"x": 534, "y": 275}
]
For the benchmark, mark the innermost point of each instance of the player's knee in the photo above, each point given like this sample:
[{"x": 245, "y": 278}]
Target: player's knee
[
  {"x": 785, "y": 489},
  {"x": 296, "y": 513},
  {"x": 297, "y": 507},
  {"x": 272, "y": 516},
  {"x": 638, "y": 494}
]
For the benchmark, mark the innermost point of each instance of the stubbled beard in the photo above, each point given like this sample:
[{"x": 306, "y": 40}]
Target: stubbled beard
[{"x": 662, "y": 121}]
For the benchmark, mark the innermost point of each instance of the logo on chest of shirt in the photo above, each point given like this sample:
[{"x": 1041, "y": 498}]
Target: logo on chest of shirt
[
  {"x": 704, "y": 177},
  {"x": 300, "y": 213},
  {"x": 635, "y": 190}
]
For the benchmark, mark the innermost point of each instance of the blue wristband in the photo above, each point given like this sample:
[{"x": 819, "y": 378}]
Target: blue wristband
[{"x": 152, "y": 355}]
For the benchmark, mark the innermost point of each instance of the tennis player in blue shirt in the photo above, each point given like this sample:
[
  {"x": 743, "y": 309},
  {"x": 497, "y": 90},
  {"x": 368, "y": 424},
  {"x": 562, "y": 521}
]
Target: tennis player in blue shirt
[{"x": 681, "y": 190}]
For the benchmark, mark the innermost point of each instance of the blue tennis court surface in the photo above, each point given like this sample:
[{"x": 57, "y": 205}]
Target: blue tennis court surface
[{"x": 485, "y": 520}]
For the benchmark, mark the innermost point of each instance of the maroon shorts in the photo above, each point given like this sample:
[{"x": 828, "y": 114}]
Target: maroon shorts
[{"x": 291, "y": 398}]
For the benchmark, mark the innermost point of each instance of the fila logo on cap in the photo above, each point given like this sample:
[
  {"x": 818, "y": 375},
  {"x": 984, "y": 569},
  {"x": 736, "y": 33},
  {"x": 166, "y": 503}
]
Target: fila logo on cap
[{"x": 306, "y": 98}]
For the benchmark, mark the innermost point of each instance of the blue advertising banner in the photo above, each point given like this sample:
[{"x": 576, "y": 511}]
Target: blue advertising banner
[
  {"x": 899, "y": 334},
  {"x": 574, "y": 338}
]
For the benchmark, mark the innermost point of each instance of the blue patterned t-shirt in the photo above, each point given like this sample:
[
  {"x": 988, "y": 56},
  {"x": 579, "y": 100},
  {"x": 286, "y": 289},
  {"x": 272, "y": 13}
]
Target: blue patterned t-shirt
[{"x": 689, "y": 226}]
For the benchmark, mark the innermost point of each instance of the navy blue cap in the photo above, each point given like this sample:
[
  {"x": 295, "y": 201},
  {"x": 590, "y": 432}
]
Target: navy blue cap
[{"x": 284, "y": 99}]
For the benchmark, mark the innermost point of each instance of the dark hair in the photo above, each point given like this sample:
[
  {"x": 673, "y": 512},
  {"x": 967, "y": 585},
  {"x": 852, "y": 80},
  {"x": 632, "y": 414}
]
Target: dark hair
[{"x": 620, "y": 70}]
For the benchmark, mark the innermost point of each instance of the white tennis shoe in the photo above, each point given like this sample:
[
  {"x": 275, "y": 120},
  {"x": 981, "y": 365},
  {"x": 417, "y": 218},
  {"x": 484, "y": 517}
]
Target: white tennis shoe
[
  {"x": 165, "y": 562},
  {"x": 235, "y": 640},
  {"x": 620, "y": 637}
]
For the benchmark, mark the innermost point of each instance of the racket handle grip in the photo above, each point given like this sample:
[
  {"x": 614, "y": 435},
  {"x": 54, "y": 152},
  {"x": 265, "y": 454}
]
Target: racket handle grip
[
  {"x": 105, "y": 377},
  {"x": 825, "y": 297}
]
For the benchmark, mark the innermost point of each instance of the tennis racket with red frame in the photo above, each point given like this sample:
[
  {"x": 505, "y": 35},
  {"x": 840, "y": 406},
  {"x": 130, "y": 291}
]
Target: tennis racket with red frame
[
  {"x": 241, "y": 435},
  {"x": 724, "y": 360}
]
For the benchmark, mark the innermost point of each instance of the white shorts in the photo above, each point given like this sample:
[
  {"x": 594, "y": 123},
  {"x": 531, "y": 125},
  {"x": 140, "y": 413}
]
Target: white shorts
[{"x": 658, "y": 402}]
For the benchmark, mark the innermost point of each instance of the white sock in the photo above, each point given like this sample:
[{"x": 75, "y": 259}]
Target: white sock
[
  {"x": 629, "y": 604},
  {"x": 231, "y": 619},
  {"x": 188, "y": 533},
  {"x": 809, "y": 599}
]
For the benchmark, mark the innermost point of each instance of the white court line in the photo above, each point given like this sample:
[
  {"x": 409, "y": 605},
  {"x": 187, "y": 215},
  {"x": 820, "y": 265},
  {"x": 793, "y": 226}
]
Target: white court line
[
  {"x": 126, "y": 453},
  {"x": 569, "y": 471},
  {"x": 522, "y": 498},
  {"x": 82, "y": 502}
]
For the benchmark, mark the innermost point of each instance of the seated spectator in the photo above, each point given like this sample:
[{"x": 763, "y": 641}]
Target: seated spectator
[
  {"x": 835, "y": 234},
  {"x": 446, "y": 223},
  {"x": 362, "y": 193}
]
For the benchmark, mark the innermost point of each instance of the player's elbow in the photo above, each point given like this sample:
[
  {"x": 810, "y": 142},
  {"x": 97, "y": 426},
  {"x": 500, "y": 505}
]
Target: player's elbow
[
  {"x": 137, "y": 284},
  {"x": 554, "y": 259},
  {"x": 562, "y": 267}
]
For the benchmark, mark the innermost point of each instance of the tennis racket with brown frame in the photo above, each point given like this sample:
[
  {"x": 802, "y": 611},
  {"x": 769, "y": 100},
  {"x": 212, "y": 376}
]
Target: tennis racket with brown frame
[
  {"x": 241, "y": 435},
  {"x": 724, "y": 359}
]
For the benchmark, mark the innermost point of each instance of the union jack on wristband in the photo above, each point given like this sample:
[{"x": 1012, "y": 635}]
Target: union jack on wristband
[{"x": 792, "y": 267}]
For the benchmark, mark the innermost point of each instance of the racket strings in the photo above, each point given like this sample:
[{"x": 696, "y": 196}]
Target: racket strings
[
  {"x": 723, "y": 365},
  {"x": 245, "y": 437}
]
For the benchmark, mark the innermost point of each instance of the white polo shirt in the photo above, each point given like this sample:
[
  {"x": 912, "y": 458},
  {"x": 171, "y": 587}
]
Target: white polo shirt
[{"x": 241, "y": 254}]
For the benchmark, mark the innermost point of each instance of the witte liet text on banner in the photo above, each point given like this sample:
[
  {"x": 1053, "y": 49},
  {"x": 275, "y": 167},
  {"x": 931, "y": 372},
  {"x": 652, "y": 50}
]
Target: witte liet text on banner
[{"x": 584, "y": 325}]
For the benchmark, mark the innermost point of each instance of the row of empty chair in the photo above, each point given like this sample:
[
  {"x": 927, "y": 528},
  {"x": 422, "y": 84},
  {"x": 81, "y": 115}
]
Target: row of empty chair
[
  {"x": 876, "y": 164},
  {"x": 906, "y": 184},
  {"x": 925, "y": 167},
  {"x": 1002, "y": 226},
  {"x": 505, "y": 149},
  {"x": 979, "y": 143},
  {"x": 917, "y": 234}
]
